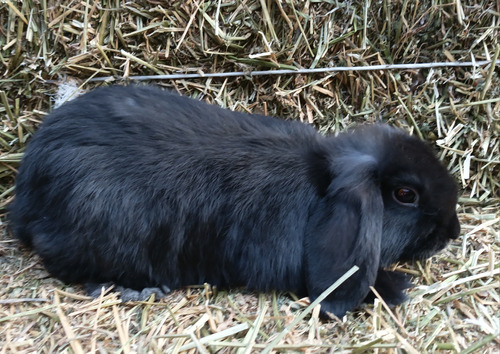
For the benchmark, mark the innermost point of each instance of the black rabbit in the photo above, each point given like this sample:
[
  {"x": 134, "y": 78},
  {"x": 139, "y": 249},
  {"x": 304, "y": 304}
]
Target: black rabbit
[{"x": 148, "y": 189}]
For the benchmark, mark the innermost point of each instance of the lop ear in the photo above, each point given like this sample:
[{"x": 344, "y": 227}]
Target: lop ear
[{"x": 345, "y": 230}]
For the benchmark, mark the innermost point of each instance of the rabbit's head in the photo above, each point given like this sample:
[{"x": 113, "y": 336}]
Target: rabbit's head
[
  {"x": 388, "y": 199},
  {"x": 419, "y": 197}
]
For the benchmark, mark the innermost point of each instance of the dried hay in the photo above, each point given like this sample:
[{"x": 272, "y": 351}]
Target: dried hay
[{"x": 454, "y": 306}]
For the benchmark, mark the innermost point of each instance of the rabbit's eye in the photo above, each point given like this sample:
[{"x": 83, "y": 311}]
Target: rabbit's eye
[{"x": 405, "y": 196}]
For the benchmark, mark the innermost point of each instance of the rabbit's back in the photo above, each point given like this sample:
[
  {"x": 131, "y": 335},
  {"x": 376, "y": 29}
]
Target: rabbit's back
[{"x": 143, "y": 187}]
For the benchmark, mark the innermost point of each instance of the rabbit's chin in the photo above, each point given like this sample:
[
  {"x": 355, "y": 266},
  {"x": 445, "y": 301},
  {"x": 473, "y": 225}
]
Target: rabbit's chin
[
  {"x": 421, "y": 254},
  {"x": 411, "y": 253},
  {"x": 418, "y": 245}
]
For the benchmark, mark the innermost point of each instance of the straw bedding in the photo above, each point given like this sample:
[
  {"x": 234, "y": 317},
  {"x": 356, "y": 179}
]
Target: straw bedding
[{"x": 48, "y": 47}]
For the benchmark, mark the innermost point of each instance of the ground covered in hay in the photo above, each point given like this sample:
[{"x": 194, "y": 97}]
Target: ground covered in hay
[{"x": 455, "y": 304}]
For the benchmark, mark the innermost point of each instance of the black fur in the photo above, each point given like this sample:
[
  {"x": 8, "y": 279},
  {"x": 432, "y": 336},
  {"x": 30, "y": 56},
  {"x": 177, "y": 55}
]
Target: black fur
[{"x": 144, "y": 188}]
